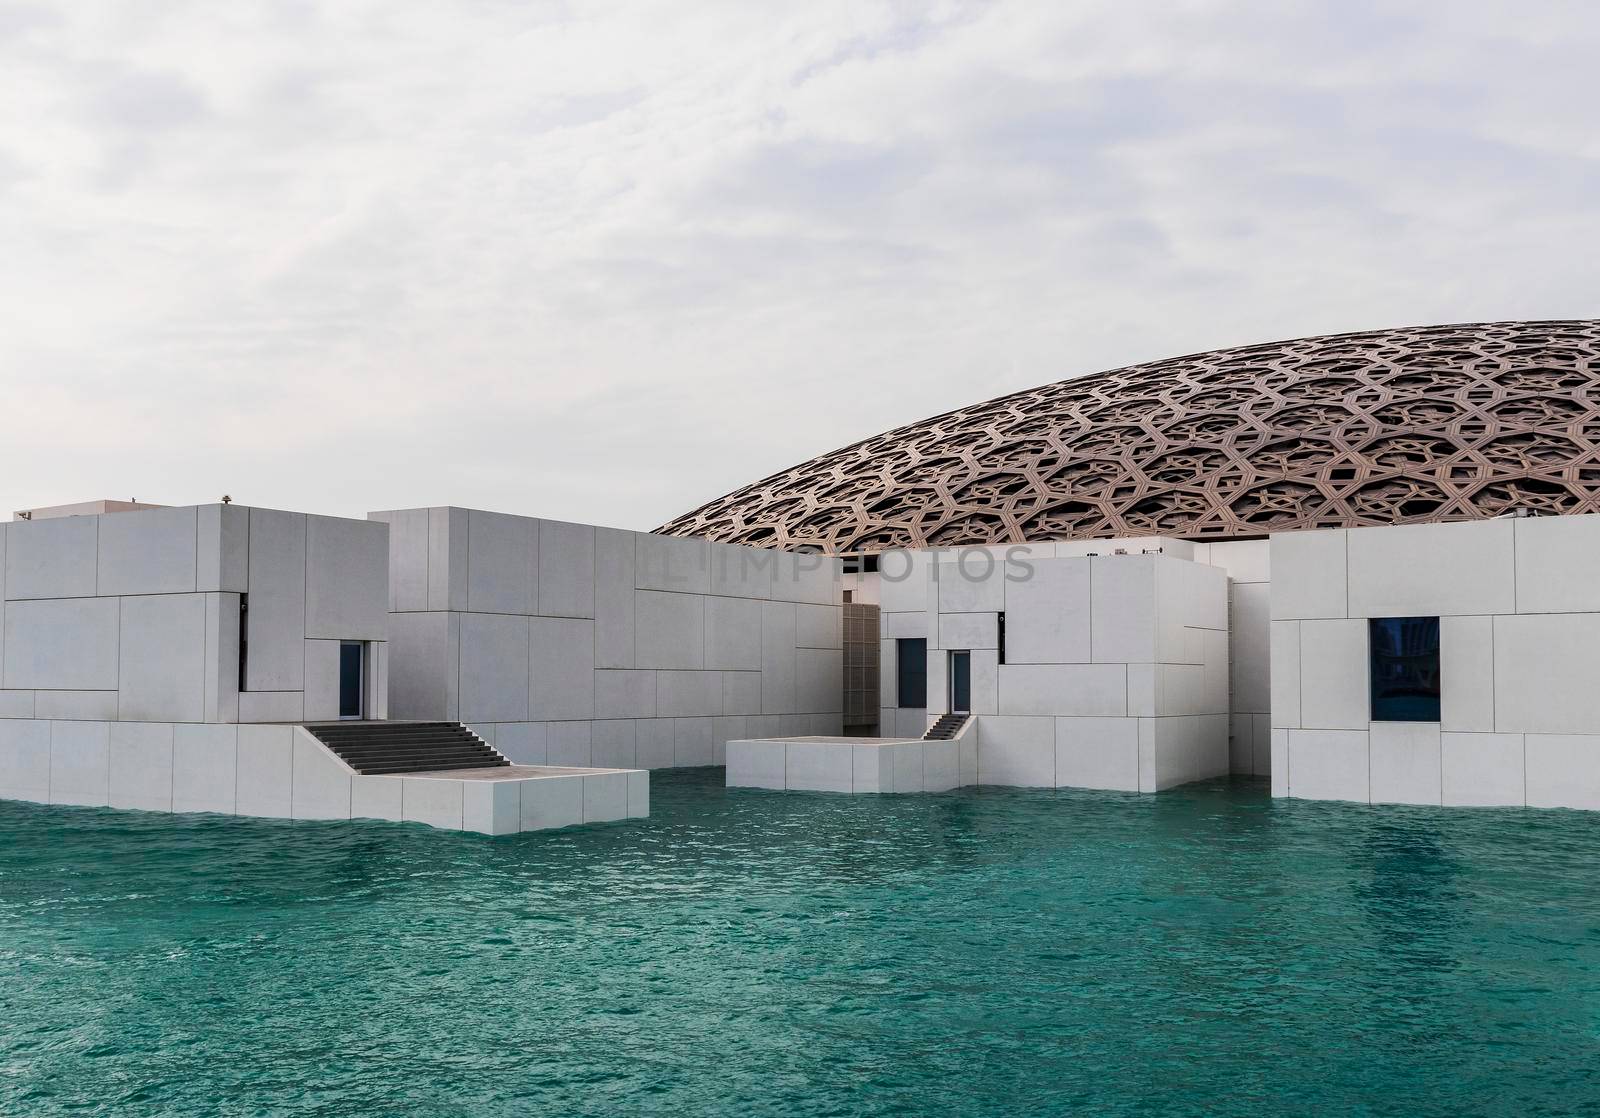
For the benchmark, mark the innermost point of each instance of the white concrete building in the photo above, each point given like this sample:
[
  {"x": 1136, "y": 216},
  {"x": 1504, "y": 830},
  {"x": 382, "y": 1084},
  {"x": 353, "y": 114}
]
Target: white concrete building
[
  {"x": 171, "y": 659},
  {"x": 1077, "y": 670},
  {"x": 1493, "y": 699},
  {"x": 569, "y": 644}
]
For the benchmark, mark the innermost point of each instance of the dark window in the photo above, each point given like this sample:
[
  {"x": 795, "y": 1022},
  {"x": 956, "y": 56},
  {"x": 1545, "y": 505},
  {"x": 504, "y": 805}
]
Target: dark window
[
  {"x": 1000, "y": 634},
  {"x": 244, "y": 641},
  {"x": 911, "y": 667},
  {"x": 352, "y": 665},
  {"x": 1405, "y": 668}
]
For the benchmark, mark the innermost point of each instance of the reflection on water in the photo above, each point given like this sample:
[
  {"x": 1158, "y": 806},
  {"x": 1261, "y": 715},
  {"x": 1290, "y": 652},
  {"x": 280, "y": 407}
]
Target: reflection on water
[{"x": 992, "y": 951}]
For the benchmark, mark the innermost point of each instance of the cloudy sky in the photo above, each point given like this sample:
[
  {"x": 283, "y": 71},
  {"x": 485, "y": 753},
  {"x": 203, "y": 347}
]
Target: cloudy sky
[{"x": 608, "y": 261}]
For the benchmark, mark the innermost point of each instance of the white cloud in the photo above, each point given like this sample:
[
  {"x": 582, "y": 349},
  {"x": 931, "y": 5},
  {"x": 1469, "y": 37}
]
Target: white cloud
[{"x": 606, "y": 262}]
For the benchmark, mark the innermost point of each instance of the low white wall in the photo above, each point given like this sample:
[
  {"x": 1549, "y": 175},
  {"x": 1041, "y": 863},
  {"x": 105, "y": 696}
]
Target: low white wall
[
  {"x": 1519, "y": 608},
  {"x": 569, "y": 644},
  {"x": 283, "y": 772}
]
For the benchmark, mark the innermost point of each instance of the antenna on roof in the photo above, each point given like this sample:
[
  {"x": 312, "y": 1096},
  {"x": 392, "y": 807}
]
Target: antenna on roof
[{"x": 227, "y": 500}]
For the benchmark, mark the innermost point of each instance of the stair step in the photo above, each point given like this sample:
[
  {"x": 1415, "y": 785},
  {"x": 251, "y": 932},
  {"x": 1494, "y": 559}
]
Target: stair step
[{"x": 398, "y": 748}]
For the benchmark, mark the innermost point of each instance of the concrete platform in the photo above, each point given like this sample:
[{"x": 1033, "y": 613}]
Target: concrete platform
[
  {"x": 854, "y": 765},
  {"x": 504, "y": 801}
]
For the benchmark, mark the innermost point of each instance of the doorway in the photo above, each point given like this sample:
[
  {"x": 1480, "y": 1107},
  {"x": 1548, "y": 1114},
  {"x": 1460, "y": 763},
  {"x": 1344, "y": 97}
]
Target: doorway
[
  {"x": 961, "y": 683},
  {"x": 352, "y": 678}
]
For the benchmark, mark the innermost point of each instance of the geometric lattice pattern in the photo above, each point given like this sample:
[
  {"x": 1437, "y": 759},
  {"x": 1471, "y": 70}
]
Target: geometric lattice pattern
[{"x": 1386, "y": 427}]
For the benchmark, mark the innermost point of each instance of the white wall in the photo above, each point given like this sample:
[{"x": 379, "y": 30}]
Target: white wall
[
  {"x": 1519, "y": 608},
  {"x": 1116, "y": 672},
  {"x": 134, "y": 616},
  {"x": 565, "y": 643},
  {"x": 1247, "y": 563}
]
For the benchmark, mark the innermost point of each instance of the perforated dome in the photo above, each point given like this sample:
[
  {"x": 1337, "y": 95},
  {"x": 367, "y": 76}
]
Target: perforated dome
[{"x": 1385, "y": 427}]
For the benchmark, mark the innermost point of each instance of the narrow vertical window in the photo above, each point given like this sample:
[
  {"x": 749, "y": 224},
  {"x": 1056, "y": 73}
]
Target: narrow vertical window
[
  {"x": 244, "y": 639},
  {"x": 911, "y": 672},
  {"x": 1000, "y": 634},
  {"x": 1403, "y": 653}
]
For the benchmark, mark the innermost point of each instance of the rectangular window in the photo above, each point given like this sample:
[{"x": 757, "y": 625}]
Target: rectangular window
[
  {"x": 1404, "y": 657},
  {"x": 1000, "y": 634},
  {"x": 911, "y": 668}
]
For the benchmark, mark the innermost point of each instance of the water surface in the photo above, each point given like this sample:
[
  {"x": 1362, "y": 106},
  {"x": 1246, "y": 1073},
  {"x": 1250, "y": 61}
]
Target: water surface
[{"x": 988, "y": 952}]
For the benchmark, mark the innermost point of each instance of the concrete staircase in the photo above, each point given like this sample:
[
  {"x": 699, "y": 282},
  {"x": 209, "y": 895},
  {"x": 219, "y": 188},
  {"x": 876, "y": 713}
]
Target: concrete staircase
[
  {"x": 946, "y": 728},
  {"x": 391, "y": 748}
]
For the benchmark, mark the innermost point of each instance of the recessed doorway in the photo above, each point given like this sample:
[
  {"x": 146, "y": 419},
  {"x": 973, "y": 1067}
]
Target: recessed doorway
[
  {"x": 960, "y": 683},
  {"x": 352, "y": 678}
]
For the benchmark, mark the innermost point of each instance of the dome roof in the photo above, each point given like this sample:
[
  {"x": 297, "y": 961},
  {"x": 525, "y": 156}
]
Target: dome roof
[{"x": 1385, "y": 427}]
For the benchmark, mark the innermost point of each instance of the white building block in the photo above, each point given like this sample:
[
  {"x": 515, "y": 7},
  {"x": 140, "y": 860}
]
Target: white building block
[
  {"x": 494, "y": 668},
  {"x": 1091, "y": 690},
  {"x": 449, "y": 545},
  {"x": 150, "y": 552},
  {"x": 757, "y": 763},
  {"x": 1555, "y": 557},
  {"x": 672, "y": 563},
  {"x": 562, "y": 681},
  {"x": 614, "y": 743},
  {"x": 1545, "y": 668},
  {"x": 733, "y": 633},
  {"x": 688, "y": 694},
  {"x": 670, "y": 630},
  {"x": 819, "y": 766},
  {"x": 140, "y": 755},
  {"x": 98, "y": 706},
  {"x": 1286, "y": 710},
  {"x": 628, "y": 693},
  {"x": 320, "y": 784},
  {"x": 1563, "y": 770},
  {"x": 162, "y": 676},
  {"x": 551, "y": 802},
  {"x": 377, "y": 797},
  {"x": 1328, "y": 764},
  {"x": 62, "y": 644},
  {"x": 778, "y": 632},
  {"x": 654, "y": 743},
  {"x": 205, "y": 768},
  {"x": 1417, "y": 570},
  {"x": 523, "y": 743},
  {"x": 502, "y": 565},
  {"x": 1123, "y": 609},
  {"x": 1017, "y": 751},
  {"x": 275, "y": 623},
  {"x": 741, "y": 692},
  {"x": 436, "y": 802},
  {"x": 1404, "y": 763},
  {"x": 1309, "y": 575},
  {"x": 1466, "y": 673},
  {"x": 55, "y": 558},
  {"x": 740, "y": 572},
  {"x": 408, "y": 573},
  {"x": 1482, "y": 770},
  {"x": 1335, "y": 692},
  {"x": 1048, "y": 614},
  {"x": 346, "y": 579},
  {"x": 491, "y": 807},
  {"x": 614, "y": 553},
  {"x": 265, "y": 771},
  {"x": 1097, "y": 753},
  {"x": 566, "y": 569},
  {"x": 570, "y": 743},
  {"x": 25, "y": 760},
  {"x": 80, "y": 763}
]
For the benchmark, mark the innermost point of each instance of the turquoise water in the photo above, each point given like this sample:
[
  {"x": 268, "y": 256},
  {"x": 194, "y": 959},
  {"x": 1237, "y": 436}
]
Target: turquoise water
[{"x": 1207, "y": 951}]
